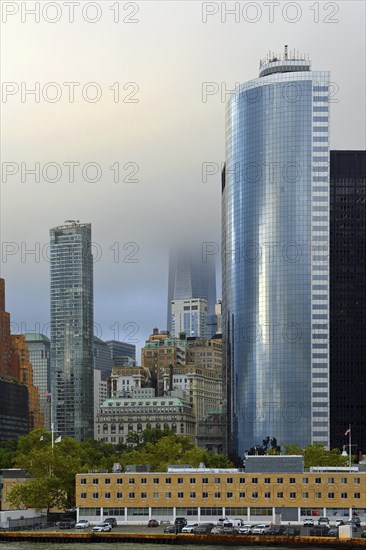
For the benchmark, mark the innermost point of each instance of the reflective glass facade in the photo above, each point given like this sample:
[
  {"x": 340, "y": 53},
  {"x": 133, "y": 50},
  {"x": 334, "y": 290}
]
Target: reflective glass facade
[
  {"x": 275, "y": 221},
  {"x": 39, "y": 356},
  {"x": 13, "y": 410},
  {"x": 72, "y": 330}
]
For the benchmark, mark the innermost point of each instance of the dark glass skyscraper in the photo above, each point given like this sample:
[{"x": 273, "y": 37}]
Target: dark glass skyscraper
[
  {"x": 275, "y": 222},
  {"x": 72, "y": 330},
  {"x": 39, "y": 356},
  {"x": 192, "y": 274},
  {"x": 121, "y": 349},
  {"x": 102, "y": 358},
  {"x": 348, "y": 297}
]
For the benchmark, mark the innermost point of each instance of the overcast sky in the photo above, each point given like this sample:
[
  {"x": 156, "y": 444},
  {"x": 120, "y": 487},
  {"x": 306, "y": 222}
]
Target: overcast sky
[{"x": 153, "y": 124}]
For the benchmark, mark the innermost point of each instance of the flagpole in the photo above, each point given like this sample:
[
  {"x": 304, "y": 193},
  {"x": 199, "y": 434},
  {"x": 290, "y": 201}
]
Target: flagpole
[
  {"x": 52, "y": 435},
  {"x": 350, "y": 447}
]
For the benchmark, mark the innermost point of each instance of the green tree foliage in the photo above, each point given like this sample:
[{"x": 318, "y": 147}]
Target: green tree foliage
[
  {"x": 317, "y": 455},
  {"x": 7, "y": 453},
  {"x": 153, "y": 435},
  {"x": 96, "y": 454},
  {"x": 293, "y": 449},
  {"x": 40, "y": 493},
  {"x": 161, "y": 450},
  {"x": 52, "y": 471}
]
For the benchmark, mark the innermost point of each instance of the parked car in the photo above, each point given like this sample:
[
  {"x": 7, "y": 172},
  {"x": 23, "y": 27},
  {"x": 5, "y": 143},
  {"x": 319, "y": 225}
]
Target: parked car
[
  {"x": 363, "y": 534},
  {"x": 308, "y": 522},
  {"x": 189, "y": 527},
  {"x": 323, "y": 521},
  {"x": 261, "y": 529},
  {"x": 220, "y": 521},
  {"x": 332, "y": 533},
  {"x": 356, "y": 520},
  {"x": 66, "y": 522},
  {"x": 203, "y": 529},
  {"x": 229, "y": 530},
  {"x": 352, "y": 524},
  {"x": 82, "y": 524},
  {"x": 291, "y": 531},
  {"x": 246, "y": 529},
  {"x": 173, "y": 528},
  {"x": 102, "y": 527},
  {"x": 181, "y": 521},
  {"x": 233, "y": 523},
  {"x": 339, "y": 522},
  {"x": 111, "y": 521},
  {"x": 276, "y": 530},
  {"x": 217, "y": 530},
  {"x": 319, "y": 531},
  {"x": 153, "y": 523}
]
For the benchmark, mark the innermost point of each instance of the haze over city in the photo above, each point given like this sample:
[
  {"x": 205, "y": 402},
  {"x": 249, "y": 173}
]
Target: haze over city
[{"x": 161, "y": 140}]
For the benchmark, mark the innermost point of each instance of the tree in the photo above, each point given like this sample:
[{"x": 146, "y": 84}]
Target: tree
[
  {"x": 153, "y": 435},
  {"x": 97, "y": 454},
  {"x": 166, "y": 447},
  {"x": 7, "y": 453},
  {"x": 293, "y": 449},
  {"x": 39, "y": 493},
  {"x": 52, "y": 471},
  {"x": 317, "y": 455}
]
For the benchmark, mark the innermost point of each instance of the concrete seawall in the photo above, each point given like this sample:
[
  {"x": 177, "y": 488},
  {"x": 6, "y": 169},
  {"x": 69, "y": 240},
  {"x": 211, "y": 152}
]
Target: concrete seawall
[{"x": 181, "y": 539}]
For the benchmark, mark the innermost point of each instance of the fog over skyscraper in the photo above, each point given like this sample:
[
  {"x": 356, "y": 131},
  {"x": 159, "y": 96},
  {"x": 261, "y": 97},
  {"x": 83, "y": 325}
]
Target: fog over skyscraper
[
  {"x": 275, "y": 232},
  {"x": 191, "y": 275},
  {"x": 72, "y": 329}
]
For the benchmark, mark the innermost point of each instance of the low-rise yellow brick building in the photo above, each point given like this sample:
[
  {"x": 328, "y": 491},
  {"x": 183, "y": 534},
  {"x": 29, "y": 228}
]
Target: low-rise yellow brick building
[{"x": 202, "y": 494}]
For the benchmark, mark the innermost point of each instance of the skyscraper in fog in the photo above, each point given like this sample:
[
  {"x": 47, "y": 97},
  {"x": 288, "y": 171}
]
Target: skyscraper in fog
[
  {"x": 72, "y": 329},
  {"x": 191, "y": 275},
  {"x": 275, "y": 231}
]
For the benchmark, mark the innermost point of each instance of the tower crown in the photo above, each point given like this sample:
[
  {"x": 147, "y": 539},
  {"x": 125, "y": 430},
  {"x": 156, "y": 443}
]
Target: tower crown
[{"x": 289, "y": 61}]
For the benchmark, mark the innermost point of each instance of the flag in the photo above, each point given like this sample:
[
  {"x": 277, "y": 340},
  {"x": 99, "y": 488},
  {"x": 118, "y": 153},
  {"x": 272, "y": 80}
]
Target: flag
[
  {"x": 58, "y": 439},
  {"x": 348, "y": 431}
]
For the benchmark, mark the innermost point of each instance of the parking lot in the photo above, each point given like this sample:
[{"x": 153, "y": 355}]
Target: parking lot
[{"x": 144, "y": 529}]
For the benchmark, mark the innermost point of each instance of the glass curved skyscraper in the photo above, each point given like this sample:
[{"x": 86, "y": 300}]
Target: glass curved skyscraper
[{"x": 275, "y": 223}]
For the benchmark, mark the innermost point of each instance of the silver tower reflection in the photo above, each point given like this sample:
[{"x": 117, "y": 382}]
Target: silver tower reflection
[
  {"x": 275, "y": 196},
  {"x": 72, "y": 330}
]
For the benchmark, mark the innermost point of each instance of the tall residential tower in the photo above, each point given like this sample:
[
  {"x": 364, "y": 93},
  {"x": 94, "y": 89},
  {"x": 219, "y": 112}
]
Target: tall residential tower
[
  {"x": 72, "y": 330},
  {"x": 275, "y": 231}
]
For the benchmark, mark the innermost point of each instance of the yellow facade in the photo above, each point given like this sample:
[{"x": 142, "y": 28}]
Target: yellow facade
[
  {"x": 310, "y": 493},
  {"x": 7, "y": 485}
]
